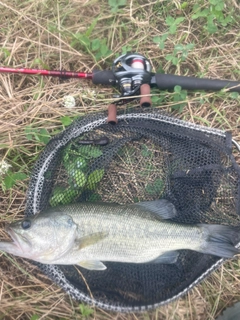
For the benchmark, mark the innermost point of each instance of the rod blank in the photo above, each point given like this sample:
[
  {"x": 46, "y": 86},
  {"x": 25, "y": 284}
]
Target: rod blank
[{"x": 49, "y": 73}]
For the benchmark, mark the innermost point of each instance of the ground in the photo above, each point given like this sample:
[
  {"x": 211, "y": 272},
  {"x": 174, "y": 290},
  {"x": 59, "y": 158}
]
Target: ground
[{"x": 193, "y": 38}]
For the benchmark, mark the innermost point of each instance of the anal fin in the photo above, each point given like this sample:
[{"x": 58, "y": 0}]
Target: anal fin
[
  {"x": 92, "y": 265},
  {"x": 168, "y": 257}
]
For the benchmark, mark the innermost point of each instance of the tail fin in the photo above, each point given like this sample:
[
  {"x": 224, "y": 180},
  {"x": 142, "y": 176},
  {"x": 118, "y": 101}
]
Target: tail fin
[{"x": 219, "y": 240}]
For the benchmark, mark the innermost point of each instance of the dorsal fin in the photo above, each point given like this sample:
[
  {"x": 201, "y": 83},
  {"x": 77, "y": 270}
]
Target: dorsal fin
[{"x": 162, "y": 208}]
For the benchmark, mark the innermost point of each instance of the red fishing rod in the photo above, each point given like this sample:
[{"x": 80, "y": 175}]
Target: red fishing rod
[
  {"x": 131, "y": 70},
  {"x": 49, "y": 73},
  {"x": 132, "y": 74}
]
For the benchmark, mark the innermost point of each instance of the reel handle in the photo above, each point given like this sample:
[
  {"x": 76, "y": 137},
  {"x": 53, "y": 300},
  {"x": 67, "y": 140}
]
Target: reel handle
[{"x": 145, "y": 101}]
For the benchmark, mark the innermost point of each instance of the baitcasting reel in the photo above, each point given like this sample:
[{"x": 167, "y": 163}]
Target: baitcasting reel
[{"x": 131, "y": 71}]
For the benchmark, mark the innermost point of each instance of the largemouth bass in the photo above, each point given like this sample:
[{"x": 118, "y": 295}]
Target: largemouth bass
[{"x": 87, "y": 234}]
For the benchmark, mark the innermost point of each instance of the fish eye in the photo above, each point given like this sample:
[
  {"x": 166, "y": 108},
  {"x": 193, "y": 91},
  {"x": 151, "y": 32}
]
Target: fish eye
[{"x": 26, "y": 224}]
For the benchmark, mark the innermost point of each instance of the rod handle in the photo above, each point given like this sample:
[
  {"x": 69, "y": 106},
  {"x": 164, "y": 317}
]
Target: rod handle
[{"x": 169, "y": 81}]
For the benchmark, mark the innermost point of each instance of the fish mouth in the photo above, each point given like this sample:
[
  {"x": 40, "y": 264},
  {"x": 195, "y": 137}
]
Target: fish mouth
[{"x": 13, "y": 235}]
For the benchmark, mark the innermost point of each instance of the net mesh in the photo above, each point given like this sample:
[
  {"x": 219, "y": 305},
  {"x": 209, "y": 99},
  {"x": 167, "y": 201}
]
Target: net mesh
[{"x": 145, "y": 156}]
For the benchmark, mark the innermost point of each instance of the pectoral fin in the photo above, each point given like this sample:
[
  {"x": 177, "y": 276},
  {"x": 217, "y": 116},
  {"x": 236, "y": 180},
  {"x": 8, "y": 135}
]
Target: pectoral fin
[
  {"x": 92, "y": 265},
  {"x": 91, "y": 239},
  {"x": 167, "y": 257}
]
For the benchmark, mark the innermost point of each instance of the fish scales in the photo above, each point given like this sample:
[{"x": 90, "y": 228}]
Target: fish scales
[
  {"x": 133, "y": 233},
  {"x": 89, "y": 234}
]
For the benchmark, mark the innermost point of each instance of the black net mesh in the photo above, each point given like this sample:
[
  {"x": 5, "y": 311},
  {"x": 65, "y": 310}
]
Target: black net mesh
[{"x": 145, "y": 156}]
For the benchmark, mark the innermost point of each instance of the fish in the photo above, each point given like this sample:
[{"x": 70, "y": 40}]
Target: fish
[{"x": 91, "y": 234}]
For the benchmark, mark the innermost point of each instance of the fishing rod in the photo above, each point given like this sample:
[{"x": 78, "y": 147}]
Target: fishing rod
[{"x": 132, "y": 74}]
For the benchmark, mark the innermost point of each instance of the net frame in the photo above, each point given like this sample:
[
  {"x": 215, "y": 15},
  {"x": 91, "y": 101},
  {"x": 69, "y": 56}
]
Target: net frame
[{"x": 36, "y": 192}]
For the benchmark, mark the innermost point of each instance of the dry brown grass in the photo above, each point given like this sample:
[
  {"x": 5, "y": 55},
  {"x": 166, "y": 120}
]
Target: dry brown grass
[{"x": 39, "y": 33}]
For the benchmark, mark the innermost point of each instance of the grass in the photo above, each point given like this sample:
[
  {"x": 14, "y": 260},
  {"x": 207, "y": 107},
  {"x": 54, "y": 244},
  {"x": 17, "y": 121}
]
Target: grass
[{"x": 198, "y": 38}]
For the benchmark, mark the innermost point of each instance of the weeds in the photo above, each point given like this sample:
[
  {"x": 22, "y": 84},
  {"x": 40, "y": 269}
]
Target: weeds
[
  {"x": 173, "y": 23},
  {"x": 11, "y": 178},
  {"x": 39, "y": 135},
  {"x": 180, "y": 53},
  {"x": 85, "y": 310},
  {"x": 116, "y": 4},
  {"x": 161, "y": 40},
  {"x": 96, "y": 47},
  {"x": 177, "y": 99},
  {"x": 75, "y": 174},
  {"x": 214, "y": 15}
]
